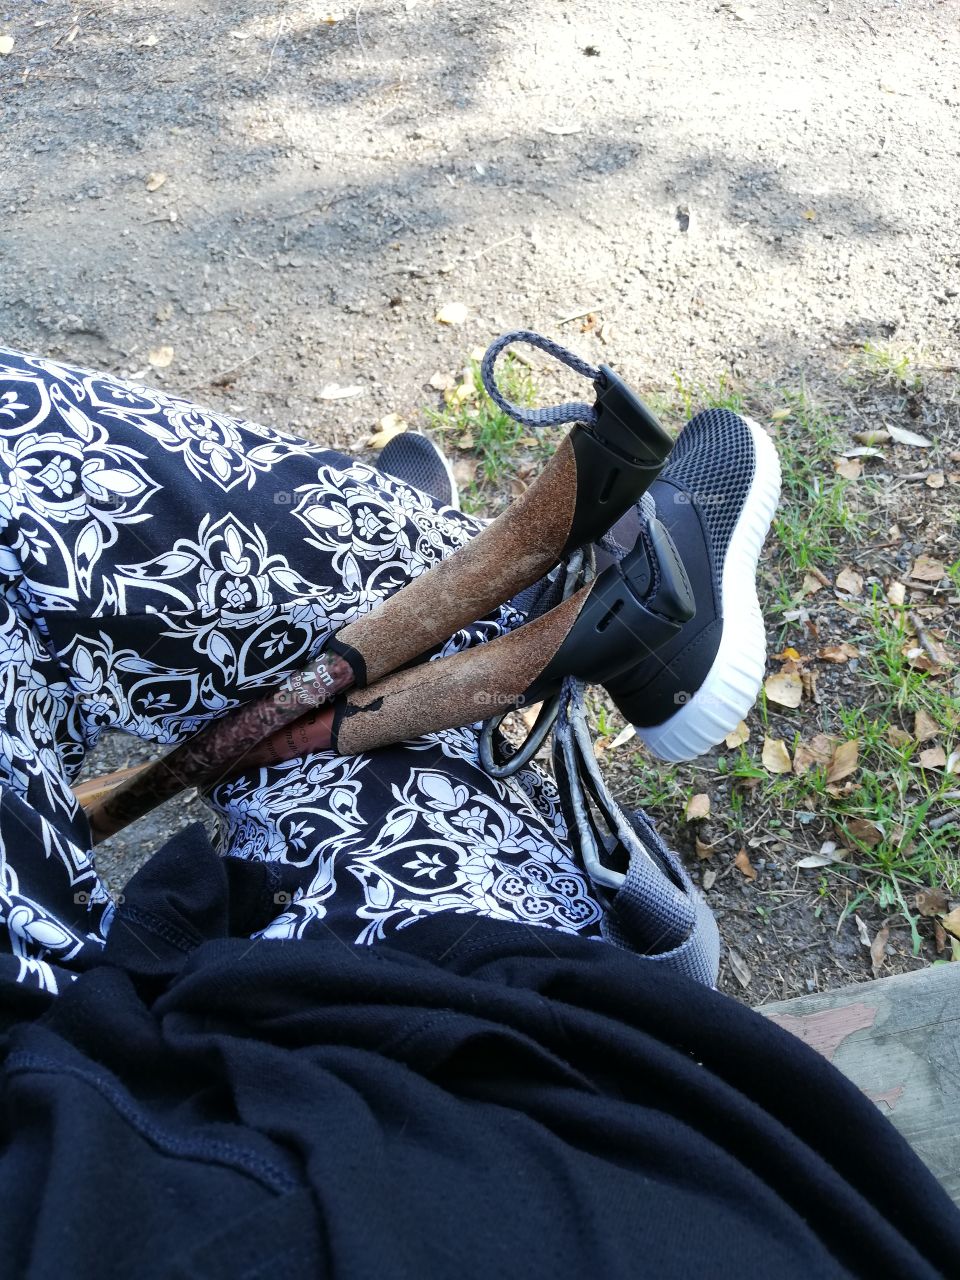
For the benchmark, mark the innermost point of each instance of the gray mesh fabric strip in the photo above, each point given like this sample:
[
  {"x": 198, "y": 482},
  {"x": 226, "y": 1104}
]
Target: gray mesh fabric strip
[
  {"x": 657, "y": 913},
  {"x": 574, "y": 411}
]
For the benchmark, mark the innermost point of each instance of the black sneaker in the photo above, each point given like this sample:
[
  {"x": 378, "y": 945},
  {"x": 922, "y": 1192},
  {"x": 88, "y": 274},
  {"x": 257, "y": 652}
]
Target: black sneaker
[
  {"x": 418, "y": 462},
  {"x": 716, "y": 496}
]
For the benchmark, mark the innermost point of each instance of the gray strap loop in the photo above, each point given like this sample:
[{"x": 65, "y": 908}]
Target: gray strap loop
[{"x": 573, "y": 411}]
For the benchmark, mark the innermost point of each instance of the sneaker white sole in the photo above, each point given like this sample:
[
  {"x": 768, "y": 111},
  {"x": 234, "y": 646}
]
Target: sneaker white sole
[{"x": 733, "y": 681}]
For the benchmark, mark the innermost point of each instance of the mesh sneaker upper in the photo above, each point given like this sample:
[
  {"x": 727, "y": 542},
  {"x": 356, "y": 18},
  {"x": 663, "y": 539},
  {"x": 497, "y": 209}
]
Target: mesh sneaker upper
[
  {"x": 713, "y": 461},
  {"x": 418, "y": 462}
]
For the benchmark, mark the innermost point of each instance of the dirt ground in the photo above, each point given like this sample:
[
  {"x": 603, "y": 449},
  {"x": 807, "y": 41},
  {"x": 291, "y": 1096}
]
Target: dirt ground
[{"x": 285, "y": 193}]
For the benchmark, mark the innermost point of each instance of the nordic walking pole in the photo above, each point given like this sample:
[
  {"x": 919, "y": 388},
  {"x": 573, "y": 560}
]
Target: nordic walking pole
[{"x": 598, "y": 472}]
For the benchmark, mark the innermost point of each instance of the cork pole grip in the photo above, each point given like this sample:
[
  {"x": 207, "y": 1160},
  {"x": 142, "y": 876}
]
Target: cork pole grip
[
  {"x": 513, "y": 551},
  {"x": 454, "y": 691}
]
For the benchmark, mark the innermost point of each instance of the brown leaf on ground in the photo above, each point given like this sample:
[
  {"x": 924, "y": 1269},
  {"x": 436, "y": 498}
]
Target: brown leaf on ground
[
  {"x": 703, "y": 850},
  {"x": 932, "y": 758},
  {"x": 744, "y": 865},
  {"x": 848, "y": 468},
  {"x": 926, "y": 569},
  {"x": 710, "y": 879},
  {"x": 390, "y": 425},
  {"x": 844, "y": 761},
  {"x": 924, "y": 726},
  {"x": 443, "y": 382},
  {"x": 939, "y": 937},
  {"x": 775, "y": 756},
  {"x": 839, "y": 652},
  {"x": 951, "y": 922},
  {"x": 818, "y": 751},
  {"x": 896, "y": 593},
  {"x": 865, "y": 831},
  {"x": 738, "y": 736},
  {"x": 878, "y": 950},
  {"x": 154, "y": 181},
  {"x": 850, "y": 581},
  {"x": 898, "y": 737},
  {"x": 810, "y": 586},
  {"x": 809, "y": 681},
  {"x": 935, "y": 480},
  {"x": 698, "y": 807},
  {"x": 931, "y": 902},
  {"x": 785, "y": 689},
  {"x": 739, "y": 967}
]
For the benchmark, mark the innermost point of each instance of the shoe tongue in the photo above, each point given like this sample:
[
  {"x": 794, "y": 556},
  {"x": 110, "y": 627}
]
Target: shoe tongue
[{"x": 624, "y": 535}]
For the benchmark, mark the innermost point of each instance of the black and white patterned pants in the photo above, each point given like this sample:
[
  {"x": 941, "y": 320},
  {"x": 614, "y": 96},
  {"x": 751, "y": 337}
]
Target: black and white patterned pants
[{"x": 159, "y": 562}]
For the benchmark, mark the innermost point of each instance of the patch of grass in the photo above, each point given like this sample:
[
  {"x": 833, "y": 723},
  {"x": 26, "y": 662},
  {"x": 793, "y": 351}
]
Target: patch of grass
[
  {"x": 882, "y": 813},
  {"x": 882, "y": 364},
  {"x": 472, "y": 422},
  {"x": 817, "y": 506},
  {"x": 655, "y": 785}
]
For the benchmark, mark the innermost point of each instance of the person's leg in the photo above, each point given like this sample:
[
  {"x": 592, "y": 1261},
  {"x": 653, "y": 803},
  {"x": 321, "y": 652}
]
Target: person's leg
[{"x": 176, "y": 561}]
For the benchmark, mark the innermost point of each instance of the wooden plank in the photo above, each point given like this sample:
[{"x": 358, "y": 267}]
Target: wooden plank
[{"x": 899, "y": 1040}]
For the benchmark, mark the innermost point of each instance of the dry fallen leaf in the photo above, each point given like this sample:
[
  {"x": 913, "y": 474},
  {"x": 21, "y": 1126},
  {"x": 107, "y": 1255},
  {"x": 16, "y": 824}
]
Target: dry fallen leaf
[
  {"x": 155, "y": 181},
  {"x": 161, "y": 357},
  {"x": 785, "y": 689},
  {"x": 931, "y": 902},
  {"x": 924, "y": 726},
  {"x": 332, "y": 391},
  {"x": 932, "y": 758},
  {"x": 390, "y": 425},
  {"x": 811, "y": 585},
  {"x": 6, "y": 45},
  {"x": 703, "y": 850},
  {"x": 148, "y": 42},
  {"x": 698, "y": 806},
  {"x": 623, "y": 736},
  {"x": 775, "y": 756},
  {"x": 839, "y": 652},
  {"x": 709, "y": 879},
  {"x": 879, "y": 436},
  {"x": 896, "y": 593},
  {"x": 878, "y": 950},
  {"x": 744, "y": 865},
  {"x": 935, "y": 480},
  {"x": 848, "y": 468},
  {"x": 865, "y": 831},
  {"x": 443, "y": 382},
  {"x": 780, "y": 415},
  {"x": 951, "y": 922},
  {"x": 738, "y": 736},
  {"x": 844, "y": 761},
  {"x": 953, "y": 762},
  {"x": 452, "y": 313},
  {"x": 739, "y": 967},
  {"x": 862, "y": 931},
  {"x": 900, "y": 435},
  {"x": 850, "y": 581},
  {"x": 898, "y": 737},
  {"x": 926, "y": 569}
]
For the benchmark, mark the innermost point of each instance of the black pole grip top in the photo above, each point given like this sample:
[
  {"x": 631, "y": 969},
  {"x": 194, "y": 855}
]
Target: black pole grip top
[{"x": 618, "y": 457}]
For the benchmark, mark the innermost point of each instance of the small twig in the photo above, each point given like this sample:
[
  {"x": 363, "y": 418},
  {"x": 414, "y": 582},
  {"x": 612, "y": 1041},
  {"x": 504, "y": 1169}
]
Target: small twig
[
  {"x": 868, "y": 25},
  {"x": 273, "y": 47},
  {"x": 578, "y": 315},
  {"x": 944, "y": 820},
  {"x": 206, "y": 382},
  {"x": 925, "y": 641}
]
